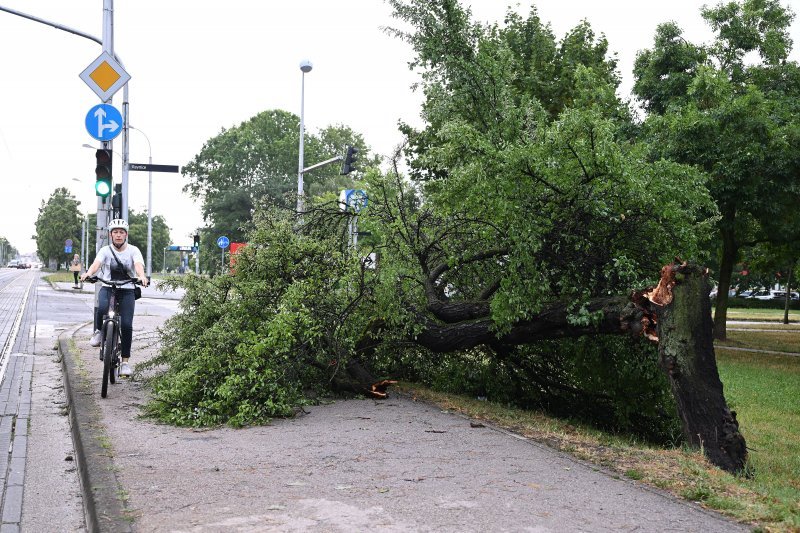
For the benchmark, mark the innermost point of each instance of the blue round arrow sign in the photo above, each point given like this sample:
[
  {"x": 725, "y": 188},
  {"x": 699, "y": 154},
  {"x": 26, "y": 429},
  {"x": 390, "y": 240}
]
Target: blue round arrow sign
[
  {"x": 104, "y": 122},
  {"x": 223, "y": 242}
]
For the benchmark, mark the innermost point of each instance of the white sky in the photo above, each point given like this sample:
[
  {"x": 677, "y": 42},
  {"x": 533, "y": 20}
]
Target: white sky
[{"x": 199, "y": 66}]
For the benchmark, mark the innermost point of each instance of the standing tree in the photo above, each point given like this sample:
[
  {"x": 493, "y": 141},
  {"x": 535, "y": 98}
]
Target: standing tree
[
  {"x": 59, "y": 219},
  {"x": 7, "y": 251},
  {"x": 731, "y": 110},
  {"x": 256, "y": 163}
]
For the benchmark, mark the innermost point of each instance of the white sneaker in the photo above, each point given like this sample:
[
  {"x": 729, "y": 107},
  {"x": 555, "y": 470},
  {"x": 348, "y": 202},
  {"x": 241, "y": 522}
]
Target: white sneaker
[
  {"x": 125, "y": 369},
  {"x": 96, "y": 338}
]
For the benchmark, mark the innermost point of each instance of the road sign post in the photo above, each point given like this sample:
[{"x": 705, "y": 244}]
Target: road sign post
[{"x": 223, "y": 242}]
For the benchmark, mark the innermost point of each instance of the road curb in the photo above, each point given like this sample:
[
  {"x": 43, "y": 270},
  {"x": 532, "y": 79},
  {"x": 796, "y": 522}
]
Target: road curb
[{"x": 99, "y": 484}]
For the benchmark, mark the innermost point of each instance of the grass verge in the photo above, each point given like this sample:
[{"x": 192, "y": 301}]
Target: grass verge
[
  {"x": 768, "y": 315},
  {"x": 778, "y": 340}
]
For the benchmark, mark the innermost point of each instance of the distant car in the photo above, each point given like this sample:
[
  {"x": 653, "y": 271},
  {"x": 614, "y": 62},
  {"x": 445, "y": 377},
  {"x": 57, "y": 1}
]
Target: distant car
[
  {"x": 14, "y": 263},
  {"x": 745, "y": 294},
  {"x": 772, "y": 295},
  {"x": 763, "y": 295}
]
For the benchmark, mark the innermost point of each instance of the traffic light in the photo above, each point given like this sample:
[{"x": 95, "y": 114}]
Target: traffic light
[
  {"x": 349, "y": 160},
  {"x": 116, "y": 201},
  {"x": 197, "y": 240},
  {"x": 102, "y": 172}
]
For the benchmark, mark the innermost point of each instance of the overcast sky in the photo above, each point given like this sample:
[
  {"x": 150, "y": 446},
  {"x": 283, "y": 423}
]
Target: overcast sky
[{"x": 199, "y": 66}]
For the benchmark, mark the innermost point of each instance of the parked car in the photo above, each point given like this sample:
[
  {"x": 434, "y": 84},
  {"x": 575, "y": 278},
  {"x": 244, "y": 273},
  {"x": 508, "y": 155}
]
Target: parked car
[
  {"x": 773, "y": 295},
  {"x": 14, "y": 263}
]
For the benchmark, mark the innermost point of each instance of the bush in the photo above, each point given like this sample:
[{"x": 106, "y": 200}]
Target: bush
[{"x": 258, "y": 343}]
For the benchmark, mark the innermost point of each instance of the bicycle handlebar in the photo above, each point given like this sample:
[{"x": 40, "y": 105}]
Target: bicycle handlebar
[{"x": 114, "y": 282}]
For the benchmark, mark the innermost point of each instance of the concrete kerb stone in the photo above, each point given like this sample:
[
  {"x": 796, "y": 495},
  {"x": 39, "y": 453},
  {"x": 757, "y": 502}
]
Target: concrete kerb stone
[{"x": 100, "y": 487}]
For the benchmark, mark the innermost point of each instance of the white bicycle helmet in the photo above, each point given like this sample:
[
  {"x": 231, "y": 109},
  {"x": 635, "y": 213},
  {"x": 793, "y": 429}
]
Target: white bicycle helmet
[{"x": 118, "y": 223}]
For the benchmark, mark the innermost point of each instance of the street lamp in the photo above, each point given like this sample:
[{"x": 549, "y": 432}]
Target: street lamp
[
  {"x": 305, "y": 66},
  {"x": 149, "y": 204}
]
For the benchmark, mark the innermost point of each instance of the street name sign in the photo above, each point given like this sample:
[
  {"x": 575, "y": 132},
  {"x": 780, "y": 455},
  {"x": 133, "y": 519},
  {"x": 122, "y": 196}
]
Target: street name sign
[
  {"x": 153, "y": 168},
  {"x": 104, "y": 122},
  {"x": 105, "y": 76},
  {"x": 175, "y": 248}
]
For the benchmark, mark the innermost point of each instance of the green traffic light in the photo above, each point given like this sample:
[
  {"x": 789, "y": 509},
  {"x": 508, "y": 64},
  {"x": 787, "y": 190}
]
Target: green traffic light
[{"x": 102, "y": 187}]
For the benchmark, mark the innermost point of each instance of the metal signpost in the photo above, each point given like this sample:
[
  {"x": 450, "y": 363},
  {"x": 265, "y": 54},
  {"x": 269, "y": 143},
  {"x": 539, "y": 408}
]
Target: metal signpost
[
  {"x": 150, "y": 168},
  {"x": 356, "y": 200},
  {"x": 223, "y": 243}
]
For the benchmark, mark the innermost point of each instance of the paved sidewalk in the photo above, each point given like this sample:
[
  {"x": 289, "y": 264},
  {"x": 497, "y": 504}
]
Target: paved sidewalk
[{"x": 355, "y": 465}]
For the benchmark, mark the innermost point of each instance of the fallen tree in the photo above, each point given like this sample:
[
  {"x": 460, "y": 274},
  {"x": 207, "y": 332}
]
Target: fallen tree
[{"x": 676, "y": 314}]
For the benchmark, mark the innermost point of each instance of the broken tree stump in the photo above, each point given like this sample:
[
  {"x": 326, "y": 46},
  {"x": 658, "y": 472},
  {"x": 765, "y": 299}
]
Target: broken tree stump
[{"x": 686, "y": 353}]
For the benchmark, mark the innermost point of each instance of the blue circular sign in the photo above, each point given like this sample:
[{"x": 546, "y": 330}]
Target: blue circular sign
[
  {"x": 223, "y": 242},
  {"x": 104, "y": 122},
  {"x": 356, "y": 199}
]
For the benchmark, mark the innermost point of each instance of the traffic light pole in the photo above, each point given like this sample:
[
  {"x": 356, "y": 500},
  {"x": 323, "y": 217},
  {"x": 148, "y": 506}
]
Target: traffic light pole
[{"x": 326, "y": 162}]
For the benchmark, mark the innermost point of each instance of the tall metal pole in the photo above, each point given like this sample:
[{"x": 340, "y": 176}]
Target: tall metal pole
[
  {"x": 108, "y": 46},
  {"x": 305, "y": 66},
  {"x": 150, "y": 217},
  {"x": 125, "y": 150},
  {"x": 149, "y": 266}
]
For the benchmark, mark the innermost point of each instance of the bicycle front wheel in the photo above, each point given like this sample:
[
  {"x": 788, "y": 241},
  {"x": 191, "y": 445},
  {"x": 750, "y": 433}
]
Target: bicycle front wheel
[{"x": 109, "y": 345}]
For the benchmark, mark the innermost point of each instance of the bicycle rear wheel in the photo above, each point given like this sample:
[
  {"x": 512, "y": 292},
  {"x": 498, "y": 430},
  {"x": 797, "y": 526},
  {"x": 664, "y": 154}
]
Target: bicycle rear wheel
[{"x": 109, "y": 345}]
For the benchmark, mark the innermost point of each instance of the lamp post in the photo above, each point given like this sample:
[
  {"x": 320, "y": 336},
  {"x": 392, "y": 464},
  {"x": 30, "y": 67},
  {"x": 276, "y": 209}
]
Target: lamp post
[
  {"x": 305, "y": 66},
  {"x": 149, "y": 267}
]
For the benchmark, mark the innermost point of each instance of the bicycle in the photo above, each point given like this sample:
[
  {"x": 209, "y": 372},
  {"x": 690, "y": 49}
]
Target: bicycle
[{"x": 110, "y": 344}]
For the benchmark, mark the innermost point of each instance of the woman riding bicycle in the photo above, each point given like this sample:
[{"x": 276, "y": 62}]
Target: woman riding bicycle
[{"x": 118, "y": 261}]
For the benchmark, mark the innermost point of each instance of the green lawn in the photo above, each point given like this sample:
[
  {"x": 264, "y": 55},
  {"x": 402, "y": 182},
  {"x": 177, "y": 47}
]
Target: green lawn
[
  {"x": 764, "y": 390},
  {"x": 769, "y": 315},
  {"x": 779, "y": 340}
]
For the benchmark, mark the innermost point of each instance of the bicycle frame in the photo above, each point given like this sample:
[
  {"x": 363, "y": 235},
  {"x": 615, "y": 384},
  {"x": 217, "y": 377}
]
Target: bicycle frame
[{"x": 111, "y": 330}]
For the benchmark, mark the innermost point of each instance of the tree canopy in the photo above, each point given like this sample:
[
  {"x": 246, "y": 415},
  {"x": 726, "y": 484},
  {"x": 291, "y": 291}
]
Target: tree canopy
[
  {"x": 59, "y": 219},
  {"x": 255, "y": 163},
  {"x": 730, "y": 109}
]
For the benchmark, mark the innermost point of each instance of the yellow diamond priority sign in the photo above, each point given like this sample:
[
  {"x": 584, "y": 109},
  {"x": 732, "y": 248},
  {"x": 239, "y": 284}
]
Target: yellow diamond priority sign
[{"x": 105, "y": 76}]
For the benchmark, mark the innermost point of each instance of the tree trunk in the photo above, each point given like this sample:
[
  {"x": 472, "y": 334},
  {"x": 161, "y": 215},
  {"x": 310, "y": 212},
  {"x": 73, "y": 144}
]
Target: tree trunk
[
  {"x": 729, "y": 251},
  {"x": 686, "y": 351},
  {"x": 788, "y": 299}
]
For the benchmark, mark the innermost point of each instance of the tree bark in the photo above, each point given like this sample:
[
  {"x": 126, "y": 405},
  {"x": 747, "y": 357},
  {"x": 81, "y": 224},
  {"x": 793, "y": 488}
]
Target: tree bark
[
  {"x": 729, "y": 252},
  {"x": 686, "y": 352},
  {"x": 788, "y": 300}
]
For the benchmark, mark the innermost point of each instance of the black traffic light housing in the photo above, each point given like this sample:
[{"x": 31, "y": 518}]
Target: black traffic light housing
[
  {"x": 349, "y": 160},
  {"x": 102, "y": 172},
  {"x": 197, "y": 240},
  {"x": 116, "y": 201}
]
